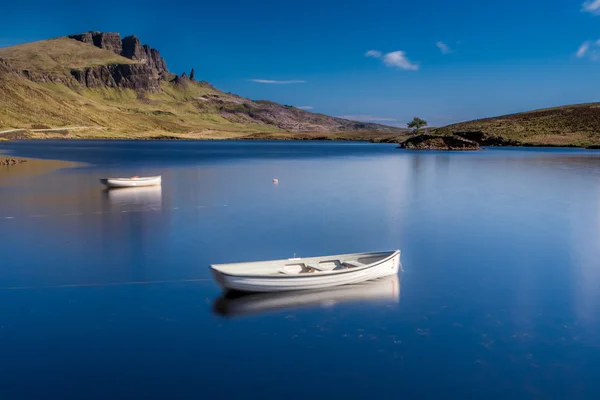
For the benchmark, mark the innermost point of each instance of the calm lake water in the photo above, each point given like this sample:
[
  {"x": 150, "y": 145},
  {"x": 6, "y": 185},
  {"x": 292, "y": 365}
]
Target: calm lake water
[{"x": 108, "y": 294}]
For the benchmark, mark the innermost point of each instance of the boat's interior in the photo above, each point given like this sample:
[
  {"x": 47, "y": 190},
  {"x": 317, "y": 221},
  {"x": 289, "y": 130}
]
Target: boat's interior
[{"x": 295, "y": 266}]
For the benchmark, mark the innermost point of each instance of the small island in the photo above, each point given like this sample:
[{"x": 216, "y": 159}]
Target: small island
[{"x": 428, "y": 141}]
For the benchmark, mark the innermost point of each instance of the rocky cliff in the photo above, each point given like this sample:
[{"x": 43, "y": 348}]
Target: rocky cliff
[
  {"x": 129, "y": 47},
  {"x": 139, "y": 77},
  {"x": 110, "y": 41},
  {"x": 145, "y": 75}
]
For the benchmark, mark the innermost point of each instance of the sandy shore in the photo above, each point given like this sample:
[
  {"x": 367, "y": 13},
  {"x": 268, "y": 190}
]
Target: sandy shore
[{"x": 12, "y": 167}]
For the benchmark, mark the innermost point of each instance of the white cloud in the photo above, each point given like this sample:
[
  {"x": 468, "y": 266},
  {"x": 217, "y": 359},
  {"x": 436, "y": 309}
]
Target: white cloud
[
  {"x": 591, "y": 6},
  {"x": 399, "y": 59},
  {"x": 444, "y": 48},
  {"x": 583, "y": 49},
  {"x": 305, "y": 107},
  {"x": 373, "y": 53},
  {"x": 589, "y": 49},
  {"x": 365, "y": 118},
  {"x": 394, "y": 59},
  {"x": 275, "y": 82}
]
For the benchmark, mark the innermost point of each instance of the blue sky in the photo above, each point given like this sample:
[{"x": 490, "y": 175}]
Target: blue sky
[{"x": 384, "y": 61}]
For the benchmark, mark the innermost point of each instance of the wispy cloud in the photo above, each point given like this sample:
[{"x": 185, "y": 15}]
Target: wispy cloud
[
  {"x": 365, "y": 118},
  {"x": 444, "y": 48},
  {"x": 396, "y": 59},
  {"x": 591, "y": 6},
  {"x": 273, "y": 82},
  {"x": 590, "y": 49},
  {"x": 583, "y": 49},
  {"x": 373, "y": 53},
  {"x": 305, "y": 107}
]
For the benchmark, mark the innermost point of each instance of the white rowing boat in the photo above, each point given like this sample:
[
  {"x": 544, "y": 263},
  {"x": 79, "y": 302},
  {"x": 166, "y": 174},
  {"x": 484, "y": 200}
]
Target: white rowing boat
[
  {"x": 306, "y": 273},
  {"x": 384, "y": 290},
  {"x": 134, "y": 181}
]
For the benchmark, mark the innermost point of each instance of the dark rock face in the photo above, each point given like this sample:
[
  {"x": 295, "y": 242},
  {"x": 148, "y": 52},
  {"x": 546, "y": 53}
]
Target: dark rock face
[
  {"x": 130, "y": 47},
  {"x": 110, "y": 41},
  {"x": 487, "y": 140},
  {"x": 139, "y": 77},
  {"x": 192, "y": 75},
  {"x": 181, "y": 79},
  {"x": 44, "y": 78},
  {"x": 155, "y": 61},
  {"x": 133, "y": 49},
  {"x": 84, "y": 37},
  {"x": 437, "y": 142},
  {"x": 594, "y": 147}
]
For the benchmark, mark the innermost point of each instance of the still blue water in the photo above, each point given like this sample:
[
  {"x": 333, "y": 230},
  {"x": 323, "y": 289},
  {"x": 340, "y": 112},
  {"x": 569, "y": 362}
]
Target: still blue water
[{"x": 108, "y": 294}]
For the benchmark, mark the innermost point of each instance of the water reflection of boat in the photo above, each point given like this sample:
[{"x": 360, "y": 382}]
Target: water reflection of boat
[
  {"x": 386, "y": 290},
  {"x": 147, "y": 196}
]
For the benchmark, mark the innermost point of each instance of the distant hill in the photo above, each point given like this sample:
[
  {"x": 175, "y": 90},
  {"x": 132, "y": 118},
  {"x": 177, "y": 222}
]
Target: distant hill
[
  {"x": 97, "y": 84},
  {"x": 572, "y": 125}
]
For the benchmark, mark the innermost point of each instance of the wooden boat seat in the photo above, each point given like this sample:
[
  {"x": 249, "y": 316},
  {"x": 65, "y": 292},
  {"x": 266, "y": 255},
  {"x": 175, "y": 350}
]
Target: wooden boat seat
[
  {"x": 320, "y": 268},
  {"x": 355, "y": 264},
  {"x": 317, "y": 267},
  {"x": 309, "y": 268}
]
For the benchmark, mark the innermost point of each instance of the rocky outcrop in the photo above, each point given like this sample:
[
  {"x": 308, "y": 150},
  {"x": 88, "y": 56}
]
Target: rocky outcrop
[
  {"x": 5, "y": 66},
  {"x": 145, "y": 75},
  {"x": 192, "y": 75},
  {"x": 129, "y": 47},
  {"x": 485, "y": 139},
  {"x": 133, "y": 49},
  {"x": 41, "y": 77},
  {"x": 438, "y": 142},
  {"x": 155, "y": 61},
  {"x": 110, "y": 41},
  {"x": 139, "y": 77},
  {"x": 11, "y": 161}
]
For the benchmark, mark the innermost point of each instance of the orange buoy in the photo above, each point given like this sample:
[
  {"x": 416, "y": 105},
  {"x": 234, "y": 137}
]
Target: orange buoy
[{"x": 275, "y": 180}]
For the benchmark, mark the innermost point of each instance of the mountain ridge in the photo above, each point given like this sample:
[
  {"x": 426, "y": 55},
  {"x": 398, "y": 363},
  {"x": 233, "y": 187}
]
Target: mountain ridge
[{"x": 121, "y": 87}]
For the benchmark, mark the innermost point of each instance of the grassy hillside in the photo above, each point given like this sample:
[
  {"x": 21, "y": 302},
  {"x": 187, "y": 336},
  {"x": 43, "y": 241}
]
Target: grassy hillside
[
  {"x": 573, "y": 125},
  {"x": 58, "y": 56},
  {"x": 110, "y": 111},
  {"x": 187, "y": 109}
]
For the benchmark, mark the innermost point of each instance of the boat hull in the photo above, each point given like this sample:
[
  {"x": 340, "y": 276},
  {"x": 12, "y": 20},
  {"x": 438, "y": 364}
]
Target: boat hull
[
  {"x": 385, "y": 290},
  {"x": 280, "y": 283},
  {"x": 131, "y": 182}
]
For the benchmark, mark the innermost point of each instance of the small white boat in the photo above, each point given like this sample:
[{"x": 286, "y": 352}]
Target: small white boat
[
  {"x": 383, "y": 290},
  {"x": 306, "y": 273},
  {"x": 134, "y": 181}
]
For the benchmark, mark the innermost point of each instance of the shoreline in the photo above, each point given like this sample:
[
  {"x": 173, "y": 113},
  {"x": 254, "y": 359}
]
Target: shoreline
[
  {"x": 364, "y": 136},
  {"x": 27, "y": 166},
  {"x": 272, "y": 139}
]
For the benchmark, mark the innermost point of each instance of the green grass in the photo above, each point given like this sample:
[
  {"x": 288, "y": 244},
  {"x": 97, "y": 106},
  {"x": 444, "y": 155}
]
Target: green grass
[{"x": 58, "y": 56}]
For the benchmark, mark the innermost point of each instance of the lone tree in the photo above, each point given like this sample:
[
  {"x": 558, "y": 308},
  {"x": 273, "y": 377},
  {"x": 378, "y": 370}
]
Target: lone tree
[{"x": 416, "y": 124}]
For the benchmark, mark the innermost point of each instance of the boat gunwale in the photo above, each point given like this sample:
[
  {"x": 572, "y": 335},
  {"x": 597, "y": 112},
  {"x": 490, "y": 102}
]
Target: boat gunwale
[
  {"x": 321, "y": 273},
  {"x": 145, "y": 178}
]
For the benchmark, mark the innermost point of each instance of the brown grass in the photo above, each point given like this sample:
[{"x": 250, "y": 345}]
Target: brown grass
[
  {"x": 574, "y": 125},
  {"x": 58, "y": 56}
]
